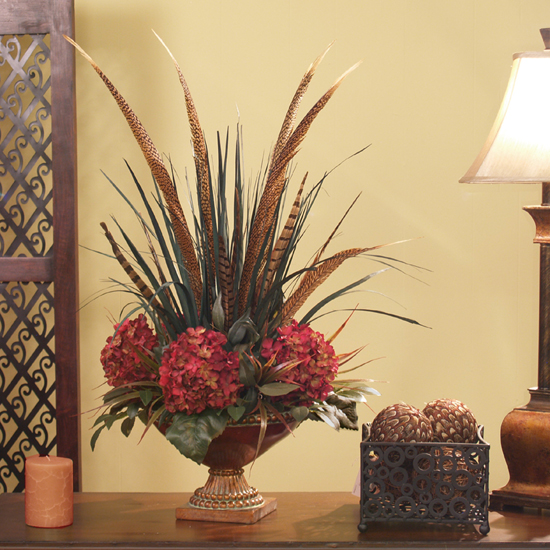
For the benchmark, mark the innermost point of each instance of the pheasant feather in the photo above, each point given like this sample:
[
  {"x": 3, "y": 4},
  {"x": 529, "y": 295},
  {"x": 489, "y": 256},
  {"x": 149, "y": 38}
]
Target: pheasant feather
[
  {"x": 294, "y": 141},
  {"x": 271, "y": 196},
  {"x": 226, "y": 284},
  {"x": 162, "y": 177},
  {"x": 316, "y": 277},
  {"x": 284, "y": 239},
  {"x": 147, "y": 293},
  {"x": 290, "y": 117},
  {"x": 200, "y": 153}
]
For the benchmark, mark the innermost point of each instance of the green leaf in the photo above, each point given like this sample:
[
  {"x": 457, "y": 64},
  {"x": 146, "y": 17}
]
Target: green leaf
[
  {"x": 138, "y": 214},
  {"x": 146, "y": 396},
  {"x": 117, "y": 408},
  {"x": 299, "y": 413},
  {"x": 109, "y": 420},
  {"x": 356, "y": 395},
  {"x": 127, "y": 425},
  {"x": 378, "y": 312},
  {"x": 192, "y": 435},
  {"x": 308, "y": 317},
  {"x": 281, "y": 370},
  {"x": 241, "y": 328},
  {"x": 95, "y": 436},
  {"x": 218, "y": 316},
  {"x": 328, "y": 417},
  {"x": 150, "y": 420},
  {"x": 277, "y": 388},
  {"x": 246, "y": 371},
  {"x": 117, "y": 403},
  {"x": 236, "y": 412},
  {"x": 341, "y": 387},
  {"x": 263, "y": 430},
  {"x": 101, "y": 419},
  {"x": 133, "y": 409},
  {"x": 250, "y": 400},
  {"x": 116, "y": 393}
]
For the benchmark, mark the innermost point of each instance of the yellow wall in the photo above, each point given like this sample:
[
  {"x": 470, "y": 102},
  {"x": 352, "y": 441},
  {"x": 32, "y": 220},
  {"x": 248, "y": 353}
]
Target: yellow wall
[{"x": 425, "y": 97}]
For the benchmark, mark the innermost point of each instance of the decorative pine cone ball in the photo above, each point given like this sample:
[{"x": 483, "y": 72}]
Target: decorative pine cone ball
[
  {"x": 401, "y": 423},
  {"x": 452, "y": 421}
]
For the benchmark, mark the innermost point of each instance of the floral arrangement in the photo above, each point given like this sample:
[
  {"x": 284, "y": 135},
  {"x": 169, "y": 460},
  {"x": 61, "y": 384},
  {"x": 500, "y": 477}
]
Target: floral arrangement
[{"x": 213, "y": 335}]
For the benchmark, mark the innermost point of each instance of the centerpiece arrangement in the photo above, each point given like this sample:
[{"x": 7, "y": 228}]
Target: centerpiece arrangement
[{"x": 212, "y": 352}]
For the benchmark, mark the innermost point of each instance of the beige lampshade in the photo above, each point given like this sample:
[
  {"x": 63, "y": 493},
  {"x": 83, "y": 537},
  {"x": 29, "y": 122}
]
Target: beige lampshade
[{"x": 518, "y": 147}]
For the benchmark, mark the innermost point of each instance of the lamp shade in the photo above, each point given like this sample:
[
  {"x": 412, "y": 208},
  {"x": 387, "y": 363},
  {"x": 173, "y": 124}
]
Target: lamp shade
[{"x": 518, "y": 147}]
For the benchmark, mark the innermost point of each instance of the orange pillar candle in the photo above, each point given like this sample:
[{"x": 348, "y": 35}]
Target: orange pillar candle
[{"x": 48, "y": 491}]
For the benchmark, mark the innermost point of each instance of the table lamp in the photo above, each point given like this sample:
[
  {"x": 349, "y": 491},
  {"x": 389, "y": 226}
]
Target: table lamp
[{"x": 518, "y": 151}]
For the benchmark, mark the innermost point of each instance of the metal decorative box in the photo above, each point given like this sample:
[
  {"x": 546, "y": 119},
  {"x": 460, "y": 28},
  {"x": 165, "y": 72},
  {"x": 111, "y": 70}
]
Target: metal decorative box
[{"x": 425, "y": 482}]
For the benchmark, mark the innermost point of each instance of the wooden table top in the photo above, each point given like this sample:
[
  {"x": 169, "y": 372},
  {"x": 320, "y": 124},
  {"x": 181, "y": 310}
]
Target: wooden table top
[{"x": 302, "y": 520}]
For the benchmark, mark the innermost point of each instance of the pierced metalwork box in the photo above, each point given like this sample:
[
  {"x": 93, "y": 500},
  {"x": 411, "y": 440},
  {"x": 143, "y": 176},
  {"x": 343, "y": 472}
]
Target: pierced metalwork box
[{"x": 425, "y": 482}]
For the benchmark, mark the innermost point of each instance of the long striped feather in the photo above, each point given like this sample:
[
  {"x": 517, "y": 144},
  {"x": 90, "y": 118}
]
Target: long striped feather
[
  {"x": 290, "y": 117},
  {"x": 161, "y": 175},
  {"x": 200, "y": 152},
  {"x": 294, "y": 141},
  {"x": 136, "y": 279},
  {"x": 314, "y": 278},
  {"x": 284, "y": 238},
  {"x": 274, "y": 188},
  {"x": 226, "y": 284}
]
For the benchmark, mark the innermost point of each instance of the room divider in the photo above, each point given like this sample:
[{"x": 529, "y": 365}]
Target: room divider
[{"x": 39, "y": 390}]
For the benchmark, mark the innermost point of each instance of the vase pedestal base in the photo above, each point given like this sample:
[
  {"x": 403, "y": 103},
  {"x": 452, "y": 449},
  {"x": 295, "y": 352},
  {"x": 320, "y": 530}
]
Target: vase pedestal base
[
  {"x": 525, "y": 439},
  {"x": 247, "y": 515},
  {"x": 226, "y": 496}
]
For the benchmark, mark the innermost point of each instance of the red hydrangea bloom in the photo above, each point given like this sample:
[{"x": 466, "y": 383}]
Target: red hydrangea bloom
[
  {"x": 120, "y": 359},
  {"x": 318, "y": 366},
  {"x": 197, "y": 373}
]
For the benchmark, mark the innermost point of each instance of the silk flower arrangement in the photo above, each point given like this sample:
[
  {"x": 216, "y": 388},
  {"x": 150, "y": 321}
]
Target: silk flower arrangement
[{"x": 214, "y": 337}]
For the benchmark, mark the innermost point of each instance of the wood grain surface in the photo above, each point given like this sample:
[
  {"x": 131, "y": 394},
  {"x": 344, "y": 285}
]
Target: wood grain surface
[{"x": 302, "y": 520}]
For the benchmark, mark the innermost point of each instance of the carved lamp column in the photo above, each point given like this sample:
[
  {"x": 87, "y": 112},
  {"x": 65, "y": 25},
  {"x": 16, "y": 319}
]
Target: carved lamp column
[{"x": 518, "y": 151}]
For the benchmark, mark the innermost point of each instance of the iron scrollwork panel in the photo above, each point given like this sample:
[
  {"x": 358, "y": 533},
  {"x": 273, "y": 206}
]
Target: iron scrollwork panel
[
  {"x": 27, "y": 373},
  {"x": 27, "y": 378},
  {"x": 25, "y": 146}
]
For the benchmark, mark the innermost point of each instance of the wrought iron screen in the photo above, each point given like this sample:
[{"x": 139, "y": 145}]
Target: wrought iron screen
[
  {"x": 27, "y": 383},
  {"x": 38, "y": 327}
]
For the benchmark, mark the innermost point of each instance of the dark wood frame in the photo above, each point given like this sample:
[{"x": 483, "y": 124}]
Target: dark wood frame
[{"x": 56, "y": 17}]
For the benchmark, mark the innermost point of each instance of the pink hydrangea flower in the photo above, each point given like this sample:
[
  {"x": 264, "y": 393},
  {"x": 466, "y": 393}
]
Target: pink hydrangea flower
[
  {"x": 120, "y": 359},
  {"x": 197, "y": 373},
  {"x": 318, "y": 362}
]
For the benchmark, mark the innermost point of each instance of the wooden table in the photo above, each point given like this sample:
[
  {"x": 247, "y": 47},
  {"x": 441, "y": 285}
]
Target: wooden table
[{"x": 312, "y": 521}]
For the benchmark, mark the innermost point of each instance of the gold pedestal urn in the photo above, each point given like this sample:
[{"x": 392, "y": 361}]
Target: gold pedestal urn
[{"x": 227, "y": 496}]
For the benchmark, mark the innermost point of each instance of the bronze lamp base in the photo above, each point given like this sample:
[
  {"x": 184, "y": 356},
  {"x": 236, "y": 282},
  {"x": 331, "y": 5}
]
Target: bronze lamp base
[
  {"x": 525, "y": 439},
  {"x": 525, "y": 432},
  {"x": 516, "y": 153}
]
